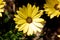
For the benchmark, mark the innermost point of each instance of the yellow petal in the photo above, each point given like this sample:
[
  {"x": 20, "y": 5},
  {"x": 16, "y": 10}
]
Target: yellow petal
[
  {"x": 30, "y": 31},
  {"x": 1, "y": 0},
  {"x": 20, "y": 21},
  {"x": 57, "y": 15},
  {"x": 38, "y": 20},
  {"x": 16, "y": 19},
  {"x": 58, "y": 0},
  {"x": 38, "y": 24},
  {"x": 52, "y": 2},
  {"x": 21, "y": 14},
  {"x": 23, "y": 10},
  {"x": 49, "y": 13},
  {"x": 53, "y": 15},
  {"x": 25, "y": 29},
  {"x": 36, "y": 28},
  {"x": 16, "y": 26},
  {"x": 33, "y": 7},
  {"x": 33, "y": 28},
  {"x": 39, "y": 14},
  {"x": 0, "y": 14},
  {"x": 58, "y": 36},
  {"x": 35, "y": 11},
  {"x": 21, "y": 27},
  {"x": 17, "y": 16},
  {"x": 1, "y": 10},
  {"x": 29, "y": 8},
  {"x": 1, "y": 6}
]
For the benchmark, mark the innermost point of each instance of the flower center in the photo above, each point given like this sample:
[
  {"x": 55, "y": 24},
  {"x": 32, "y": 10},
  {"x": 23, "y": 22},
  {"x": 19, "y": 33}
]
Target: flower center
[
  {"x": 29, "y": 20},
  {"x": 57, "y": 7}
]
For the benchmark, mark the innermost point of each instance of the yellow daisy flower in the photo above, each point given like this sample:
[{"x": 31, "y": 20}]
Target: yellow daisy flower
[
  {"x": 28, "y": 19},
  {"x": 52, "y": 8},
  {"x": 2, "y": 4}
]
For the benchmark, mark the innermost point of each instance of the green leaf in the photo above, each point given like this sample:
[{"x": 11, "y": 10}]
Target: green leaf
[{"x": 6, "y": 20}]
